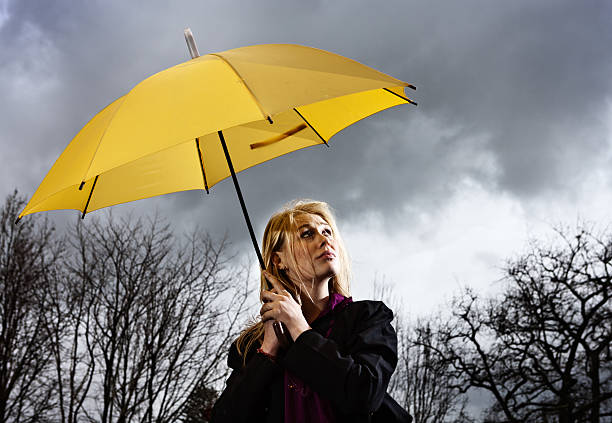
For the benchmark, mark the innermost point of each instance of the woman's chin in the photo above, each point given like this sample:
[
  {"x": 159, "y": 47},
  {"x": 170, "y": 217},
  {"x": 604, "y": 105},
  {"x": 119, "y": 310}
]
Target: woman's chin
[{"x": 331, "y": 271}]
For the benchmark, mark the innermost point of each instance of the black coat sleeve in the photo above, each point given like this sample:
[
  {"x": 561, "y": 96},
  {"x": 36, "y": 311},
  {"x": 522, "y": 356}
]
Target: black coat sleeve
[
  {"x": 355, "y": 376},
  {"x": 245, "y": 395}
]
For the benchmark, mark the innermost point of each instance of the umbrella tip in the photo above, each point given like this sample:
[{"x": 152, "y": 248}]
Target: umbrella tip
[
  {"x": 17, "y": 220},
  {"x": 81, "y": 186},
  {"x": 411, "y": 86},
  {"x": 191, "y": 45}
]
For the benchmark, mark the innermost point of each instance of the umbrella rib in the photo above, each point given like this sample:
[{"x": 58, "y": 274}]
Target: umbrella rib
[
  {"x": 400, "y": 96},
  {"x": 197, "y": 140},
  {"x": 311, "y": 127},
  {"x": 89, "y": 198},
  {"x": 261, "y": 109}
]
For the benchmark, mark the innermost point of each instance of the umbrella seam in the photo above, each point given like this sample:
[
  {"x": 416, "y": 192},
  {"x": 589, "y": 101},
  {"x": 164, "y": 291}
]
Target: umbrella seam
[
  {"x": 102, "y": 137},
  {"x": 323, "y": 72},
  {"x": 326, "y": 71},
  {"x": 261, "y": 109}
]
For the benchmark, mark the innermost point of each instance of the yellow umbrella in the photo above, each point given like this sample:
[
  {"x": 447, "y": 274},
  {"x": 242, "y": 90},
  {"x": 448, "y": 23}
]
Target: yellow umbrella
[{"x": 170, "y": 131}]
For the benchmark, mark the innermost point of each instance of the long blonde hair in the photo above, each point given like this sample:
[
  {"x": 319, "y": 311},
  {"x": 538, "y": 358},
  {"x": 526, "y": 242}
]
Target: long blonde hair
[{"x": 281, "y": 231}]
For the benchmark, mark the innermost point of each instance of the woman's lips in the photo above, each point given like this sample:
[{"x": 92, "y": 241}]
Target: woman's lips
[{"x": 327, "y": 255}]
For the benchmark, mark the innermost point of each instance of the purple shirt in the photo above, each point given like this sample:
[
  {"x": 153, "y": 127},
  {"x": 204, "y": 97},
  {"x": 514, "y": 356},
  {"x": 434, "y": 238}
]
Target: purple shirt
[{"x": 303, "y": 405}]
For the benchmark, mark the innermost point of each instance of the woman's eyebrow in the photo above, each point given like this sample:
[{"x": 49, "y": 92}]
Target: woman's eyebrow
[{"x": 308, "y": 225}]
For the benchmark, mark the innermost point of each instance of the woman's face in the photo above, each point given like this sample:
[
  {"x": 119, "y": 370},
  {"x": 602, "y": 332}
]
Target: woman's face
[{"x": 315, "y": 249}]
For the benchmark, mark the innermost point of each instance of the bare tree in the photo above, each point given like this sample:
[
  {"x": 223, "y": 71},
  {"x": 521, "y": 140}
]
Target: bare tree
[
  {"x": 421, "y": 382},
  {"x": 383, "y": 290},
  {"x": 29, "y": 256},
  {"x": 68, "y": 326},
  {"x": 432, "y": 393},
  {"x": 140, "y": 320},
  {"x": 542, "y": 348}
]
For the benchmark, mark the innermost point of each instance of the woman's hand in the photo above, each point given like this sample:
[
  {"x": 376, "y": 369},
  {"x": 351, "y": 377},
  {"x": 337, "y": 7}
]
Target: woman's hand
[{"x": 279, "y": 305}]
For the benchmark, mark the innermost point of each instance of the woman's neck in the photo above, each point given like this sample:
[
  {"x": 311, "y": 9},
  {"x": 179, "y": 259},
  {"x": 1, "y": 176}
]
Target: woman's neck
[{"x": 314, "y": 300}]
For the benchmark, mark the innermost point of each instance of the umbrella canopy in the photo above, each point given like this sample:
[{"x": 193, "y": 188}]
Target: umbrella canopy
[{"x": 163, "y": 136}]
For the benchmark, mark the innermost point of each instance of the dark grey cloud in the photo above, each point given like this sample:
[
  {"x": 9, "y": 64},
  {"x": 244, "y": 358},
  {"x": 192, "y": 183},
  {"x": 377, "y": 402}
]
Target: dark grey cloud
[{"x": 511, "y": 95}]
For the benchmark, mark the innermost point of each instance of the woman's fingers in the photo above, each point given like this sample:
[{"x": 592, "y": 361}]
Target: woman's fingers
[
  {"x": 276, "y": 285},
  {"x": 265, "y": 307},
  {"x": 268, "y": 315},
  {"x": 270, "y": 296}
]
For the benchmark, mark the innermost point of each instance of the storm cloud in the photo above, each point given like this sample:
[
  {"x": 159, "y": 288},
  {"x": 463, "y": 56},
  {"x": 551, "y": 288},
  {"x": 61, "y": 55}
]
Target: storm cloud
[{"x": 514, "y": 99}]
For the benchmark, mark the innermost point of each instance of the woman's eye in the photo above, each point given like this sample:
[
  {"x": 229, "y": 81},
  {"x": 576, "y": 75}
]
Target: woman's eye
[
  {"x": 306, "y": 234},
  {"x": 327, "y": 232}
]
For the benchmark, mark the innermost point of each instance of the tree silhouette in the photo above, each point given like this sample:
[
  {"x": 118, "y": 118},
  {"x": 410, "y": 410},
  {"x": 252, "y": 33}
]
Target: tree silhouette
[
  {"x": 542, "y": 348},
  {"x": 150, "y": 320},
  {"x": 29, "y": 257},
  {"x": 422, "y": 382},
  {"x": 122, "y": 321}
]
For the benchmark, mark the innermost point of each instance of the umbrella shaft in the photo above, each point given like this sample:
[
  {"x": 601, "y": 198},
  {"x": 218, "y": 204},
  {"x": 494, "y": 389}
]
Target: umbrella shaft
[
  {"x": 244, "y": 210},
  {"x": 281, "y": 332}
]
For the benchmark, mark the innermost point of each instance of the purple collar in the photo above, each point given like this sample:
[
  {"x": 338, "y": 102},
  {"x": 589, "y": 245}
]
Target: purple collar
[{"x": 336, "y": 301}]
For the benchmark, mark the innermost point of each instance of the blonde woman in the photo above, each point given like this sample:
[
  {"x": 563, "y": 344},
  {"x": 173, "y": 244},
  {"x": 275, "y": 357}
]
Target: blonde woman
[{"x": 340, "y": 355}]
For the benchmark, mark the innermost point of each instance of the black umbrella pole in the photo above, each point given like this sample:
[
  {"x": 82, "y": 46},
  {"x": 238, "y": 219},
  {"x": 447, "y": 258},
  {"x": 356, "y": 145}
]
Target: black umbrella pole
[
  {"x": 281, "y": 332},
  {"x": 244, "y": 210}
]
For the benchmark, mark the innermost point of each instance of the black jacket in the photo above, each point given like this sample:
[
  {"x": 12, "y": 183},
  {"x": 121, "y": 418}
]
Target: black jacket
[{"x": 351, "y": 368}]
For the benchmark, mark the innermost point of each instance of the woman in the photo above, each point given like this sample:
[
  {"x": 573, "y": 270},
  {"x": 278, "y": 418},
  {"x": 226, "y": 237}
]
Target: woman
[{"x": 340, "y": 355}]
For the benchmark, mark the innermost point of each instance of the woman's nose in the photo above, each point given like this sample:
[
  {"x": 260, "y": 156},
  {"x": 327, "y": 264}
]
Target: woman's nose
[{"x": 322, "y": 239}]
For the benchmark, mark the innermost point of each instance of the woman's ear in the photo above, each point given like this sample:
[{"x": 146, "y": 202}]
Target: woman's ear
[{"x": 277, "y": 261}]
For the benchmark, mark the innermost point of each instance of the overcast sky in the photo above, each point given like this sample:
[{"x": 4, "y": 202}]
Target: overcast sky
[{"x": 512, "y": 134}]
